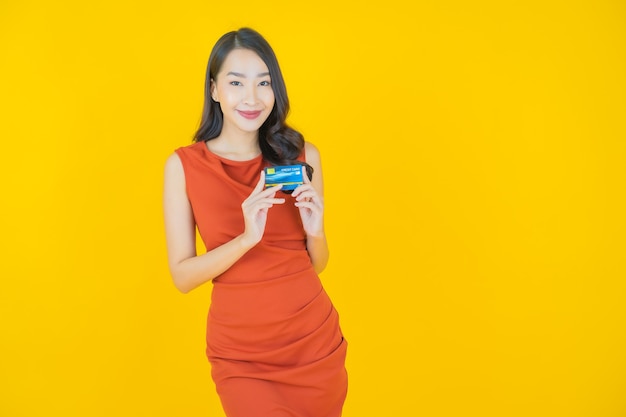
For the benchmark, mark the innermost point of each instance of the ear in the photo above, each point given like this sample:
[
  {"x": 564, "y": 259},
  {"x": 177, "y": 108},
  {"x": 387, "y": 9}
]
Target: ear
[{"x": 213, "y": 91}]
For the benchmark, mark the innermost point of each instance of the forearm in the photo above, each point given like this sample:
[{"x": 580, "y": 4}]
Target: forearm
[
  {"x": 192, "y": 272},
  {"x": 318, "y": 251}
]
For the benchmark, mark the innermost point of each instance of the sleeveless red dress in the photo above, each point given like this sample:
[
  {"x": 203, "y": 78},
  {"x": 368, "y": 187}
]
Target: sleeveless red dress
[{"x": 273, "y": 335}]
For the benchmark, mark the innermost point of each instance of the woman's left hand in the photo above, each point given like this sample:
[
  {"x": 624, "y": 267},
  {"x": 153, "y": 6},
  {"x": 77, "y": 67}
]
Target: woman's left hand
[{"x": 311, "y": 208}]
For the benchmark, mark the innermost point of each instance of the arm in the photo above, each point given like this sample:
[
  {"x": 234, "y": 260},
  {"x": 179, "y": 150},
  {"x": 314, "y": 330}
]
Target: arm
[
  {"x": 310, "y": 201},
  {"x": 189, "y": 270}
]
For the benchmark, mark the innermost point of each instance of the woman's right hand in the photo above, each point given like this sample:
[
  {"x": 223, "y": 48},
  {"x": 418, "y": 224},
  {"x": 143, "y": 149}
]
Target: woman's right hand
[{"x": 255, "y": 209}]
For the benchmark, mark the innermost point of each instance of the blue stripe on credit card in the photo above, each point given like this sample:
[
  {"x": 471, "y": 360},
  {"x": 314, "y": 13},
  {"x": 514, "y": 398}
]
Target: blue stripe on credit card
[{"x": 288, "y": 175}]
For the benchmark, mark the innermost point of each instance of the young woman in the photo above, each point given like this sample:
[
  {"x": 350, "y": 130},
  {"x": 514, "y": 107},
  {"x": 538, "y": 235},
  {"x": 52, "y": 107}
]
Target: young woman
[{"x": 273, "y": 335}]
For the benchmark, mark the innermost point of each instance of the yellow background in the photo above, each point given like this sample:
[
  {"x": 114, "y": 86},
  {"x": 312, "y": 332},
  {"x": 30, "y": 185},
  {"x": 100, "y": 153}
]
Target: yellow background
[{"x": 474, "y": 160}]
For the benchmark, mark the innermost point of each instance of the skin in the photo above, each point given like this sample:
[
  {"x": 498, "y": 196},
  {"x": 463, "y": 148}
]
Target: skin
[{"x": 243, "y": 84}]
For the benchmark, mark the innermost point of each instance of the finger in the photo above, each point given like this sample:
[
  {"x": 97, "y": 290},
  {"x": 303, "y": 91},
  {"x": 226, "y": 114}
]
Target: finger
[
  {"x": 254, "y": 203},
  {"x": 257, "y": 195},
  {"x": 308, "y": 205},
  {"x": 301, "y": 188},
  {"x": 260, "y": 207},
  {"x": 263, "y": 198},
  {"x": 269, "y": 191},
  {"x": 305, "y": 175},
  {"x": 259, "y": 185},
  {"x": 274, "y": 200},
  {"x": 306, "y": 194}
]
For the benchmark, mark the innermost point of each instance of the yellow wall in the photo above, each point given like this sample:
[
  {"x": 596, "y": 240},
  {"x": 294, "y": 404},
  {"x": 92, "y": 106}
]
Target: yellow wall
[{"x": 474, "y": 156}]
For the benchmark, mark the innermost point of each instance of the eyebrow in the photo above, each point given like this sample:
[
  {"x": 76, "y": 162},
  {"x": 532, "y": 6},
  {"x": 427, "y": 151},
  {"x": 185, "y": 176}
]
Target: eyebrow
[{"x": 238, "y": 74}]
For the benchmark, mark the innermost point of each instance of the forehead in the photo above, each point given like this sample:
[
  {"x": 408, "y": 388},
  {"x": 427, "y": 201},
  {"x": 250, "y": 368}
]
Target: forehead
[{"x": 243, "y": 61}]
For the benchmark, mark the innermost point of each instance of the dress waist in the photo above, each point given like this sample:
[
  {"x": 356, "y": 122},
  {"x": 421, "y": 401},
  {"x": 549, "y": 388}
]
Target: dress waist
[{"x": 260, "y": 302}]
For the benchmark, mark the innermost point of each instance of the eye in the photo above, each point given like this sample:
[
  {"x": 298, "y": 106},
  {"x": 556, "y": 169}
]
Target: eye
[
  {"x": 235, "y": 83},
  {"x": 265, "y": 83}
]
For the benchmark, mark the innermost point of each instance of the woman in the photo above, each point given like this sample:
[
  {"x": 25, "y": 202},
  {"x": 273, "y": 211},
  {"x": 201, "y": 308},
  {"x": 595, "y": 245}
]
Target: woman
[{"x": 273, "y": 335}]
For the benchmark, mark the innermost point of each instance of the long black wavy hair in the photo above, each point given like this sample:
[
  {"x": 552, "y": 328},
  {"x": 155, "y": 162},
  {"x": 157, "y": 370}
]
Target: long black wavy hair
[{"x": 279, "y": 143}]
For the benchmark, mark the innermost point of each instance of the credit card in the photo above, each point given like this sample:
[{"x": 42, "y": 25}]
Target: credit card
[{"x": 290, "y": 176}]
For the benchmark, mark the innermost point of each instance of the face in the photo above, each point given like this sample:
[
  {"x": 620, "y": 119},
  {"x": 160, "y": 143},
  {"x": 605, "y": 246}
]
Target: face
[{"x": 243, "y": 89}]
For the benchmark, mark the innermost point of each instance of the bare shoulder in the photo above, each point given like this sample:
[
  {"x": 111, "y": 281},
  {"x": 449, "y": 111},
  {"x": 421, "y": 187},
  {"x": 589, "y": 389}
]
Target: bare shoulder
[
  {"x": 174, "y": 175},
  {"x": 173, "y": 161},
  {"x": 313, "y": 158},
  {"x": 173, "y": 165},
  {"x": 312, "y": 154}
]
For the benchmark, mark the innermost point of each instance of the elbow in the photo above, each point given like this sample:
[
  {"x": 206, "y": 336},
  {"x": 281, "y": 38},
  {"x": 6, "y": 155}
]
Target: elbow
[
  {"x": 181, "y": 283},
  {"x": 184, "y": 289},
  {"x": 181, "y": 288},
  {"x": 320, "y": 265},
  {"x": 185, "y": 278},
  {"x": 319, "y": 268}
]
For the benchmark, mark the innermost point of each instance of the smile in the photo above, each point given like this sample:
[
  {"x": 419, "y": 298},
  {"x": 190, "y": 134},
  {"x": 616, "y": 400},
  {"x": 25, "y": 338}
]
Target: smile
[{"x": 249, "y": 114}]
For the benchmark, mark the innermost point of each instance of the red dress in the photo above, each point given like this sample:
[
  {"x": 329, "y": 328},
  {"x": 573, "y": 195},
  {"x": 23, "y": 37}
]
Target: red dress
[{"x": 273, "y": 335}]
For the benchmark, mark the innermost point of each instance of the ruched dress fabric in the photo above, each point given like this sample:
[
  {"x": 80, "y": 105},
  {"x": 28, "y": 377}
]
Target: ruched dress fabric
[{"x": 273, "y": 335}]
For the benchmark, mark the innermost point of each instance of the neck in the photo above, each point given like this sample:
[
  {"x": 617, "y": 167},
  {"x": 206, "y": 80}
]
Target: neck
[{"x": 236, "y": 145}]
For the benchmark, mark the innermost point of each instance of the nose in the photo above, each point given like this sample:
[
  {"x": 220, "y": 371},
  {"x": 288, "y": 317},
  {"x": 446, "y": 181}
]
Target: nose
[{"x": 250, "y": 97}]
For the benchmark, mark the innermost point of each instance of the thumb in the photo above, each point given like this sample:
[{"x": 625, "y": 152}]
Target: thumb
[{"x": 259, "y": 186}]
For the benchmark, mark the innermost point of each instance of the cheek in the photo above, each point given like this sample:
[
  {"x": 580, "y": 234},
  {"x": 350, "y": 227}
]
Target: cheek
[
  {"x": 268, "y": 92},
  {"x": 268, "y": 98},
  {"x": 230, "y": 96}
]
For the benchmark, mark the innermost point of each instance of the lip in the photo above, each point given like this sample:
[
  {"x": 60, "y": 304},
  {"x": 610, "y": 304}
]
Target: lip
[{"x": 249, "y": 114}]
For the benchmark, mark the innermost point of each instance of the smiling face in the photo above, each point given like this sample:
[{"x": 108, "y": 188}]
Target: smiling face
[{"x": 244, "y": 91}]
